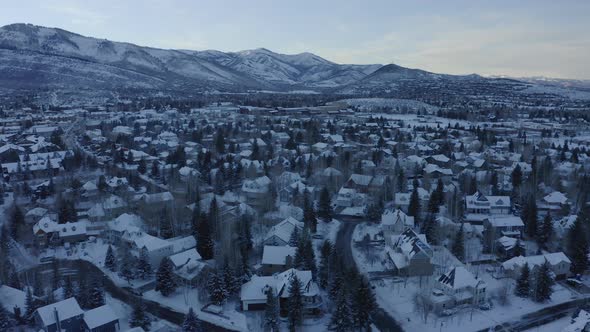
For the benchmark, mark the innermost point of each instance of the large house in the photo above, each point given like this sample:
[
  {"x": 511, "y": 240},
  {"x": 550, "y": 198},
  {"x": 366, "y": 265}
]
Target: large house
[
  {"x": 456, "y": 287},
  {"x": 410, "y": 254},
  {"x": 558, "y": 262},
  {"x": 253, "y": 293},
  {"x": 496, "y": 227},
  {"x": 395, "y": 222},
  {"x": 277, "y": 259},
  {"x": 61, "y": 316},
  {"x": 479, "y": 206},
  {"x": 280, "y": 234}
]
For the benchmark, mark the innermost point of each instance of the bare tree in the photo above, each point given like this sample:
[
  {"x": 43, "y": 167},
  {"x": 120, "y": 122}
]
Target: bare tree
[{"x": 423, "y": 304}]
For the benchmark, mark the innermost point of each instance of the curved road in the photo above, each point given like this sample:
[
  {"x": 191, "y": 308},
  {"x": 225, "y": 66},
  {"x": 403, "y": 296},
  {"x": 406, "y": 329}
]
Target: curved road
[{"x": 381, "y": 318}]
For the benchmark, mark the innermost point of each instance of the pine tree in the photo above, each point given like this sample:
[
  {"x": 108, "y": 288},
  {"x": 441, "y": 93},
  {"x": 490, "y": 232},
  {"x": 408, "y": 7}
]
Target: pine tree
[
  {"x": 523, "y": 287},
  {"x": 295, "y": 303},
  {"x": 341, "y": 317},
  {"x": 309, "y": 217},
  {"x": 325, "y": 205},
  {"x": 518, "y": 248},
  {"x": 363, "y": 305},
  {"x": 324, "y": 269},
  {"x": 139, "y": 317},
  {"x": 458, "y": 248},
  {"x": 110, "y": 261},
  {"x": 30, "y": 307},
  {"x": 543, "y": 283},
  {"x": 414, "y": 206},
  {"x": 17, "y": 222},
  {"x": 216, "y": 288},
  {"x": 166, "y": 230},
  {"x": 165, "y": 282},
  {"x": 143, "y": 266},
  {"x": 69, "y": 288},
  {"x": 531, "y": 217},
  {"x": 191, "y": 323},
  {"x": 577, "y": 248},
  {"x": 205, "y": 245},
  {"x": 294, "y": 237},
  {"x": 545, "y": 231},
  {"x": 141, "y": 166},
  {"x": 96, "y": 294},
  {"x": 271, "y": 313},
  {"x": 516, "y": 176},
  {"x": 230, "y": 281},
  {"x": 126, "y": 270},
  {"x": 5, "y": 321}
]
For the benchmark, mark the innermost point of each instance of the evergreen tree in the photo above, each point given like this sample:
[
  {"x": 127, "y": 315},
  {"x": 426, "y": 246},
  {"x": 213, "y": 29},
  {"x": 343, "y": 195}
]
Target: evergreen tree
[
  {"x": 141, "y": 166},
  {"x": 325, "y": 205},
  {"x": 139, "y": 317},
  {"x": 523, "y": 287},
  {"x": 341, "y": 317},
  {"x": 577, "y": 248},
  {"x": 458, "y": 248},
  {"x": 165, "y": 282},
  {"x": 230, "y": 281},
  {"x": 126, "y": 269},
  {"x": 166, "y": 230},
  {"x": 271, "y": 313},
  {"x": 543, "y": 283},
  {"x": 216, "y": 288},
  {"x": 294, "y": 237},
  {"x": 324, "y": 270},
  {"x": 363, "y": 305},
  {"x": 205, "y": 245},
  {"x": 518, "y": 249},
  {"x": 30, "y": 307},
  {"x": 143, "y": 267},
  {"x": 414, "y": 206},
  {"x": 309, "y": 217},
  {"x": 96, "y": 295},
  {"x": 5, "y": 321},
  {"x": 17, "y": 222},
  {"x": 110, "y": 261},
  {"x": 545, "y": 231},
  {"x": 531, "y": 217},
  {"x": 295, "y": 303},
  {"x": 191, "y": 323},
  {"x": 69, "y": 288},
  {"x": 516, "y": 177}
]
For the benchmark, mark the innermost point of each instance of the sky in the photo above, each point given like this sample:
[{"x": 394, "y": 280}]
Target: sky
[{"x": 517, "y": 38}]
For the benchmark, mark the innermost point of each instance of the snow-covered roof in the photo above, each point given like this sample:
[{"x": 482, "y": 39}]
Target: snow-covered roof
[
  {"x": 284, "y": 229},
  {"x": 390, "y": 217},
  {"x": 551, "y": 258},
  {"x": 185, "y": 257},
  {"x": 555, "y": 197},
  {"x": 579, "y": 323},
  {"x": 277, "y": 255},
  {"x": 458, "y": 278},
  {"x": 12, "y": 297},
  {"x": 505, "y": 221},
  {"x": 99, "y": 316},
  {"x": 66, "y": 309}
]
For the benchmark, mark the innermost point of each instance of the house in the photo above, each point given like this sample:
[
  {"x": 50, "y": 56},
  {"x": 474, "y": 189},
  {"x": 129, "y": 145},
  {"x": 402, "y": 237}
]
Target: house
[
  {"x": 402, "y": 200},
  {"x": 280, "y": 234},
  {"x": 253, "y": 293},
  {"x": 456, "y": 287},
  {"x": 187, "y": 266},
  {"x": 64, "y": 315},
  {"x": 395, "y": 222},
  {"x": 479, "y": 205},
  {"x": 506, "y": 247},
  {"x": 101, "y": 319},
  {"x": 410, "y": 254},
  {"x": 49, "y": 232},
  {"x": 256, "y": 190},
  {"x": 552, "y": 203},
  {"x": 497, "y": 226},
  {"x": 277, "y": 259},
  {"x": 34, "y": 215},
  {"x": 558, "y": 262}
]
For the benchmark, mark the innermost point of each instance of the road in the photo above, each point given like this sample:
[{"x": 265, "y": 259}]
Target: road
[{"x": 381, "y": 318}]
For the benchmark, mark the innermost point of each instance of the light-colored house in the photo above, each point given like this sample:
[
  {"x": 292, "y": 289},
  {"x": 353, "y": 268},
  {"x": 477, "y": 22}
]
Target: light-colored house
[
  {"x": 395, "y": 222},
  {"x": 64, "y": 315},
  {"x": 277, "y": 259},
  {"x": 456, "y": 287},
  {"x": 253, "y": 293},
  {"x": 280, "y": 234},
  {"x": 558, "y": 262},
  {"x": 496, "y": 227},
  {"x": 410, "y": 254}
]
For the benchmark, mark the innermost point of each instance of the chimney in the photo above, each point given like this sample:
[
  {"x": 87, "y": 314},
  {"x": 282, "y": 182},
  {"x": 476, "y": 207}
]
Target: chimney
[{"x": 57, "y": 322}]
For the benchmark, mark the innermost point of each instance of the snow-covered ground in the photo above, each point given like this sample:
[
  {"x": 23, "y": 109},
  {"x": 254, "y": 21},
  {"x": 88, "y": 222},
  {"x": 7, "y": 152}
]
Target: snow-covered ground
[
  {"x": 397, "y": 297},
  {"x": 124, "y": 311}
]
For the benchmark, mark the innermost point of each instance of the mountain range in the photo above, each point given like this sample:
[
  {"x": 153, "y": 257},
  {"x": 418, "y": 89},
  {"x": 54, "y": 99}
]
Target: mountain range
[{"x": 40, "y": 58}]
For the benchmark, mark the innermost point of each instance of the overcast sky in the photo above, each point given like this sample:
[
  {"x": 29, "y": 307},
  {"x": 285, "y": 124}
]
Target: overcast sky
[{"x": 516, "y": 38}]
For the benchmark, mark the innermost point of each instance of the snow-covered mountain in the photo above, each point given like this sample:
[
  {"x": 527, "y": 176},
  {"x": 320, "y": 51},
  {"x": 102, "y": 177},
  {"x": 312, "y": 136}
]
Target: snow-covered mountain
[{"x": 34, "y": 56}]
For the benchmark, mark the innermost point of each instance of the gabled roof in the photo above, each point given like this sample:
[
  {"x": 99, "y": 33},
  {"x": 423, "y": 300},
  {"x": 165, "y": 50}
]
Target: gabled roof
[
  {"x": 99, "y": 316},
  {"x": 66, "y": 309},
  {"x": 458, "y": 278}
]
